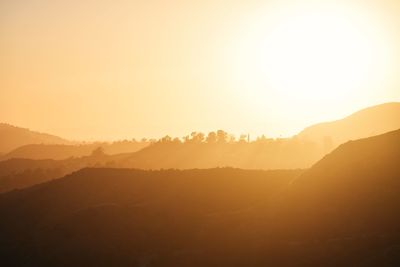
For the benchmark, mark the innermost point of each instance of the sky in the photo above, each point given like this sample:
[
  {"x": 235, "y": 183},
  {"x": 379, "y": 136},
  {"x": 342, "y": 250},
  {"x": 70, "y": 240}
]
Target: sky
[{"x": 108, "y": 70}]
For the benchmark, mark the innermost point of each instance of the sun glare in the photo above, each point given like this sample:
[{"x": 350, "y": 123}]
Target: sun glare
[{"x": 314, "y": 54}]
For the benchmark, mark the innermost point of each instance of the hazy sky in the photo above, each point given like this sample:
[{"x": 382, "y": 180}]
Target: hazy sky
[{"x": 121, "y": 69}]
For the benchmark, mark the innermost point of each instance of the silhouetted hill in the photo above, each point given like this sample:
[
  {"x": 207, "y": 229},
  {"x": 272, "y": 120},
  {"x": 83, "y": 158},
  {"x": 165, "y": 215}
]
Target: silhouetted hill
[
  {"x": 21, "y": 173},
  {"x": 368, "y": 122},
  {"x": 60, "y": 152},
  {"x": 341, "y": 212},
  {"x": 301, "y": 151},
  {"x": 45, "y": 151},
  {"x": 120, "y": 217},
  {"x": 268, "y": 154},
  {"x": 219, "y": 149},
  {"x": 350, "y": 199},
  {"x": 12, "y": 137},
  {"x": 355, "y": 189},
  {"x": 262, "y": 154}
]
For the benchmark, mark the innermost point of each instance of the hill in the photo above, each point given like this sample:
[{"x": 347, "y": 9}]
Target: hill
[
  {"x": 22, "y": 173},
  {"x": 261, "y": 154},
  {"x": 220, "y": 149},
  {"x": 355, "y": 189},
  {"x": 120, "y": 217},
  {"x": 46, "y": 151},
  {"x": 12, "y": 137},
  {"x": 60, "y": 152},
  {"x": 341, "y": 212},
  {"x": 370, "y": 121},
  {"x": 301, "y": 151}
]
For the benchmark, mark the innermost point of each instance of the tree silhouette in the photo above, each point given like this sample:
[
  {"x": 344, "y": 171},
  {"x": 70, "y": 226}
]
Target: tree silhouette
[
  {"x": 222, "y": 136},
  {"x": 197, "y": 137},
  {"x": 211, "y": 138},
  {"x": 98, "y": 152}
]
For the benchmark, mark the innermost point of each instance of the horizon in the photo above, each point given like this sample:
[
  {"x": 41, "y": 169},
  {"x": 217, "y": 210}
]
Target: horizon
[
  {"x": 122, "y": 70},
  {"x": 236, "y": 135}
]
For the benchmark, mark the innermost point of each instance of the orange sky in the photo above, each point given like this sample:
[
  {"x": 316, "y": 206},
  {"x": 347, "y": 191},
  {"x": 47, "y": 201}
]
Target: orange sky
[{"x": 122, "y": 69}]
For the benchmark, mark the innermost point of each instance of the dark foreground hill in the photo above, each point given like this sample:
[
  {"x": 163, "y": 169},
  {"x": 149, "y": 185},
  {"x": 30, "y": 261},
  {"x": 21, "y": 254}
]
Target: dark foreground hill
[
  {"x": 117, "y": 217},
  {"x": 342, "y": 212},
  {"x": 350, "y": 199}
]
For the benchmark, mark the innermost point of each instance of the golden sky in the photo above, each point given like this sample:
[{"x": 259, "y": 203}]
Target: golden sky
[{"x": 122, "y": 69}]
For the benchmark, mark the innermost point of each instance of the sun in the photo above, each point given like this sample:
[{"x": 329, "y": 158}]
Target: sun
[
  {"x": 314, "y": 54},
  {"x": 320, "y": 54}
]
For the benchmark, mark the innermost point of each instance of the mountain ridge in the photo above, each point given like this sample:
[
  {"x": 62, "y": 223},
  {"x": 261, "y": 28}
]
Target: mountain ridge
[
  {"x": 12, "y": 137},
  {"x": 333, "y": 214},
  {"x": 369, "y": 121}
]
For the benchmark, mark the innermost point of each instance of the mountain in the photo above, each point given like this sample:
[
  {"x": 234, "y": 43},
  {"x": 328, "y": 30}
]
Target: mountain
[
  {"x": 355, "y": 189},
  {"x": 121, "y": 217},
  {"x": 262, "y": 154},
  {"x": 349, "y": 199},
  {"x": 290, "y": 153},
  {"x": 300, "y": 151},
  {"x": 60, "y": 152},
  {"x": 18, "y": 173},
  {"x": 22, "y": 173},
  {"x": 49, "y": 151},
  {"x": 12, "y": 137},
  {"x": 341, "y": 212},
  {"x": 370, "y": 121}
]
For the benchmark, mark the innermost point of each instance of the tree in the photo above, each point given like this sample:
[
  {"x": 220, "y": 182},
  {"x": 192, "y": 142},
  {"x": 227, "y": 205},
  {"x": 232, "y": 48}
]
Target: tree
[
  {"x": 197, "y": 137},
  {"x": 98, "y": 152},
  {"x": 262, "y": 139},
  {"x": 243, "y": 138},
  {"x": 176, "y": 140},
  {"x": 211, "y": 138},
  {"x": 186, "y": 139},
  {"x": 222, "y": 136},
  {"x": 166, "y": 139}
]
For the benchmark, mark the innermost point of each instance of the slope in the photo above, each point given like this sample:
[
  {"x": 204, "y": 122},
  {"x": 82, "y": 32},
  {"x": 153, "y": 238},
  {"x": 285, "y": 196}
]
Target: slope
[
  {"x": 367, "y": 122},
  {"x": 12, "y": 137}
]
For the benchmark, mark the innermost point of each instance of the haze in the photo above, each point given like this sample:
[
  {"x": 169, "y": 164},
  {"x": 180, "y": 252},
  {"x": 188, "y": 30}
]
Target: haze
[{"x": 122, "y": 69}]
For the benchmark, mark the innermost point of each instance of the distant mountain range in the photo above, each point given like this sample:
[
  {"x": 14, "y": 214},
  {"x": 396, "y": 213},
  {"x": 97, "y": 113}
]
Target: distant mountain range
[
  {"x": 370, "y": 121},
  {"x": 17, "y": 142},
  {"x": 341, "y": 212},
  {"x": 12, "y": 137},
  {"x": 62, "y": 152},
  {"x": 301, "y": 151},
  {"x": 297, "y": 152}
]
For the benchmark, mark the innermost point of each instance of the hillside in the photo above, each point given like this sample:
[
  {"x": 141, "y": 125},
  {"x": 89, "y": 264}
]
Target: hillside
[
  {"x": 356, "y": 188},
  {"x": 301, "y": 151},
  {"x": 267, "y": 154},
  {"x": 202, "y": 151},
  {"x": 367, "y": 122},
  {"x": 117, "y": 217},
  {"x": 60, "y": 152},
  {"x": 341, "y": 212},
  {"x": 22, "y": 173},
  {"x": 12, "y": 137},
  {"x": 46, "y": 151}
]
